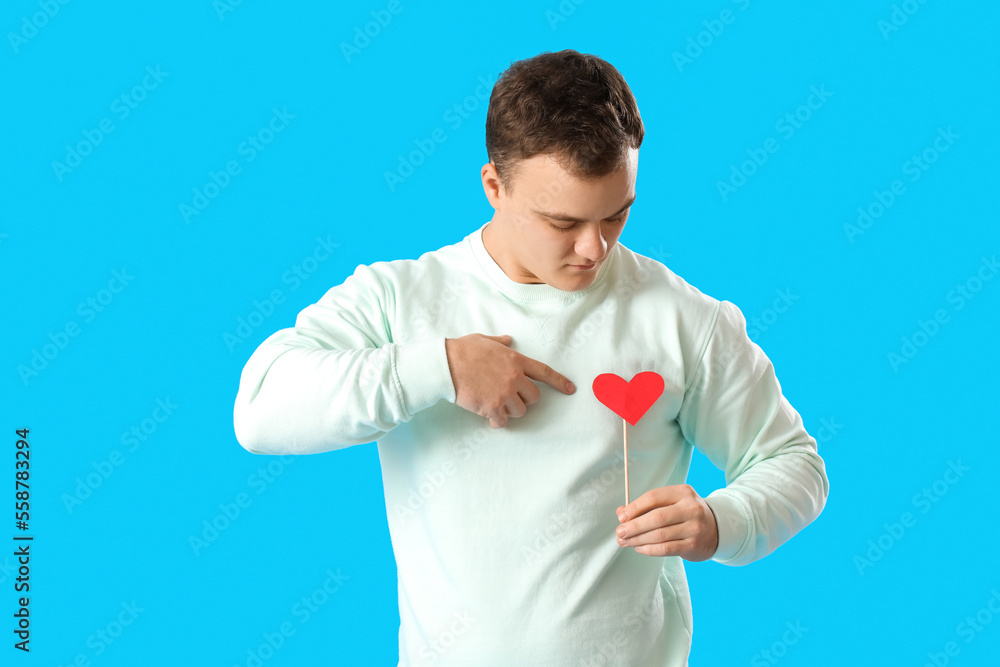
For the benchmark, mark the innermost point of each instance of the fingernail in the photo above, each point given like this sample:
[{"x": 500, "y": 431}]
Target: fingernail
[
  {"x": 622, "y": 516},
  {"x": 570, "y": 387}
]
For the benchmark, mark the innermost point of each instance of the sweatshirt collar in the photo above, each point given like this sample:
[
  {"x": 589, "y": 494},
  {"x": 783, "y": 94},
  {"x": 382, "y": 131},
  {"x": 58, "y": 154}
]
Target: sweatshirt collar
[{"x": 524, "y": 291}]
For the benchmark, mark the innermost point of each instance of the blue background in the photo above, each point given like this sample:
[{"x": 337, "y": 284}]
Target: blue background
[{"x": 891, "y": 429}]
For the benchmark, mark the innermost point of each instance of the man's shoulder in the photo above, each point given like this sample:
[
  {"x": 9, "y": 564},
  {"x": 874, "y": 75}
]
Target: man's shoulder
[
  {"x": 409, "y": 271},
  {"x": 655, "y": 280},
  {"x": 674, "y": 309}
]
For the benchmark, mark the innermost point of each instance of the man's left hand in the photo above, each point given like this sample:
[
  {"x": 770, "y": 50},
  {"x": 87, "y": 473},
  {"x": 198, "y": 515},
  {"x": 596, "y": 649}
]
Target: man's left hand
[{"x": 669, "y": 521}]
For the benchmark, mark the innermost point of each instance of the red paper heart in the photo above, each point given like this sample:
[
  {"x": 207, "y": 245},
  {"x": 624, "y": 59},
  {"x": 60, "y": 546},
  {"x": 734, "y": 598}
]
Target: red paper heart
[{"x": 629, "y": 400}]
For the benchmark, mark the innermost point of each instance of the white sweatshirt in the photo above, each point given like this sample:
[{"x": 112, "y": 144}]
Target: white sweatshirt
[{"x": 504, "y": 539}]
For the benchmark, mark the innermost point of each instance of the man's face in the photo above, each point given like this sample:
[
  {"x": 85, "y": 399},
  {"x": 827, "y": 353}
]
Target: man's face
[{"x": 555, "y": 228}]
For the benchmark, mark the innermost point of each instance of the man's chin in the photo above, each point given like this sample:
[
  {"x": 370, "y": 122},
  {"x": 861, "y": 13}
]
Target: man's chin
[{"x": 575, "y": 282}]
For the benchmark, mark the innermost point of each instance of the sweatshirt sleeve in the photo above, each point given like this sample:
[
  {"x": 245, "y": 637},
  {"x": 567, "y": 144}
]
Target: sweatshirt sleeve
[
  {"x": 337, "y": 379},
  {"x": 733, "y": 411}
]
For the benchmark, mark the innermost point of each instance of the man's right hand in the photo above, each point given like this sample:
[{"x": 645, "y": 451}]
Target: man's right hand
[{"x": 492, "y": 380}]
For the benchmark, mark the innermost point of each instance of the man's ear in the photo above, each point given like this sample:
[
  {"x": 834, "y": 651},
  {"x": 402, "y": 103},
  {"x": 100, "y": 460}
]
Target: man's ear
[{"x": 491, "y": 184}]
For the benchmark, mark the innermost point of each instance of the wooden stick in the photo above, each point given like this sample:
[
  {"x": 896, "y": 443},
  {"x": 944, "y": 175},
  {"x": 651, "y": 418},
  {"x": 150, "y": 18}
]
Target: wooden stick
[{"x": 625, "y": 433}]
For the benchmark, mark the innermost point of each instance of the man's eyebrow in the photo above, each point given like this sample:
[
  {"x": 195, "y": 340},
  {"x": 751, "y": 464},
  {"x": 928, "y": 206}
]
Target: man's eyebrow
[{"x": 569, "y": 218}]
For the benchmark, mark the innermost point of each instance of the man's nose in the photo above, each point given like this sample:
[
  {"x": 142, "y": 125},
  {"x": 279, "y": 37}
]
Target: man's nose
[{"x": 591, "y": 244}]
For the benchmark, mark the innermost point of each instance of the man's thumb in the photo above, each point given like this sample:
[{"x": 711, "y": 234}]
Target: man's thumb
[{"x": 505, "y": 339}]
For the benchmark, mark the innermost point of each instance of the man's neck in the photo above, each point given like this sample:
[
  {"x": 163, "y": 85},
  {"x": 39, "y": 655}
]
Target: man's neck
[{"x": 497, "y": 250}]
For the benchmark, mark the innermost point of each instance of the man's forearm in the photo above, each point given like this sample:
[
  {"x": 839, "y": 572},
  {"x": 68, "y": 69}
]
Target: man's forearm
[
  {"x": 769, "y": 502},
  {"x": 295, "y": 398}
]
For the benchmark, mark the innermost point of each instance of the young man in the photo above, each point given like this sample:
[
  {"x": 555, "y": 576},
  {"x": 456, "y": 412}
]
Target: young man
[{"x": 472, "y": 368}]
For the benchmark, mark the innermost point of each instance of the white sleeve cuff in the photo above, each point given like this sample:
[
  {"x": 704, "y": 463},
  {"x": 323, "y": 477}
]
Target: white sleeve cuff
[
  {"x": 423, "y": 374},
  {"x": 733, "y": 521}
]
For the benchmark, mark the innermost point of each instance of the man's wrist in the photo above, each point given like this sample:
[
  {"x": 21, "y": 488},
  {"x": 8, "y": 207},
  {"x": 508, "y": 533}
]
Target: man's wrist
[
  {"x": 732, "y": 524},
  {"x": 423, "y": 373}
]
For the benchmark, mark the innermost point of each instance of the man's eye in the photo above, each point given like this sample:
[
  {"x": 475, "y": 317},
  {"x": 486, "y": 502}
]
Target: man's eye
[{"x": 615, "y": 220}]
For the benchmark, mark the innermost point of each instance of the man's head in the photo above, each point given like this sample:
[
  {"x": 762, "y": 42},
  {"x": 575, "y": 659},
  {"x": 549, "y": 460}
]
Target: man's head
[{"x": 563, "y": 134}]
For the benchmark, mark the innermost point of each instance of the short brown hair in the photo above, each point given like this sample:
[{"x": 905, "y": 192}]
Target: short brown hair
[{"x": 573, "y": 105}]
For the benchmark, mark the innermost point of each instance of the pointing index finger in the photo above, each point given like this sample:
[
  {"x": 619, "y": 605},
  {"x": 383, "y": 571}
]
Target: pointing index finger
[{"x": 536, "y": 370}]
